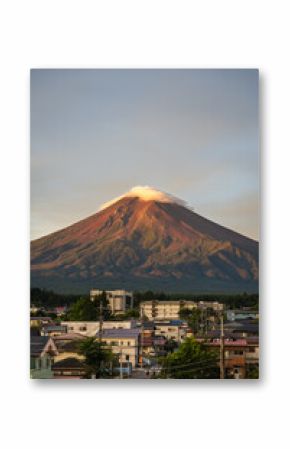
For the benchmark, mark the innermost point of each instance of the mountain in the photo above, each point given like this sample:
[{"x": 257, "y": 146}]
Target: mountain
[{"x": 145, "y": 240}]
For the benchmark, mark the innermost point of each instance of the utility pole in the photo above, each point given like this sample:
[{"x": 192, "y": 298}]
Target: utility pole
[
  {"x": 101, "y": 322},
  {"x": 222, "y": 370},
  {"x": 141, "y": 342},
  {"x": 121, "y": 365},
  {"x": 101, "y": 332}
]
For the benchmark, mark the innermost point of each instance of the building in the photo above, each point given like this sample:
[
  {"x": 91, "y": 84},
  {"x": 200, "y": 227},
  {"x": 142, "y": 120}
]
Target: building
[
  {"x": 39, "y": 321},
  {"x": 119, "y": 300},
  {"x": 243, "y": 328},
  {"x": 240, "y": 356},
  {"x": 42, "y": 353},
  {"x": 162, "y": 310},
  {"x": 69, "y": 368},
  {"x": 60, "y": 310},
  {"x": 171, "y": 330},
  {"x": 68, "y": 363},
  {"x": 233, "y": 315},
  {"x": 213, "y": 305},
  {"x": 53, "y": 330},
  {"x": 170, "y": 310},
  {"x": 123, "y": 342},
  {"x": 90, "y": 328}
]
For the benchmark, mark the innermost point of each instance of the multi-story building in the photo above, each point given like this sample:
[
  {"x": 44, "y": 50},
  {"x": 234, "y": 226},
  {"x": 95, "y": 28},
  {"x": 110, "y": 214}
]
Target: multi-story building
[
  {"x": 123, "y": 342},
  {"x": 119, "y": 300},
  {"x": 214, "y": 305},
  {"x": 170, "y": 310},
  {"x": 240, "y": 356},
  {"x": 162, "y": 310},
  {"x": 171, "y": 330}
]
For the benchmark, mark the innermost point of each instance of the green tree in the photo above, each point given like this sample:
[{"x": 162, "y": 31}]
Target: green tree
[
  {"x": 102, "y": 299},
  {"x": 192, "y": 360},
  {"x": 130, "y": 313},
  {"x": 194, "y": 320},
  {"x": 82, "y": 310},
  {"x": 97, "y": 357},
  {"x": 170, "y": 345},
  {"x": 185, "y": 313},
  {"x": 252, "y": 372}
]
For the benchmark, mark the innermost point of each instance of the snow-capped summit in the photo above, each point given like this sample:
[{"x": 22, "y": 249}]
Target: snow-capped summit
[{"x": 147, "y": 193}]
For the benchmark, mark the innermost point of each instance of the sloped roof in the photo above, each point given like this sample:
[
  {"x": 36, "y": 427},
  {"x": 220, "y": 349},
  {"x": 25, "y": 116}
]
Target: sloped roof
[
  {"x": 37, "y": 345},
  {"x": 68, "y": 363}
]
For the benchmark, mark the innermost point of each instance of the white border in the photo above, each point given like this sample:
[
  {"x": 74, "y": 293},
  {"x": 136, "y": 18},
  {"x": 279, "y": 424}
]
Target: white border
[{"x": 144, "y": 34}]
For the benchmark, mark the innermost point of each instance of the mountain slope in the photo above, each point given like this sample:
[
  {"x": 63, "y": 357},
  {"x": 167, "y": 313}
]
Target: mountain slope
[{"x": 138, "y": 244}]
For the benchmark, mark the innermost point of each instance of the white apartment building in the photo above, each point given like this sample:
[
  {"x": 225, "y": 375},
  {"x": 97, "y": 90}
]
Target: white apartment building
[
  {"x": 215, "y": 305},
  {"x": 164, "y": 310},
  {"x": 170, "y": 310},
  {"x": 119, "y": 300}
]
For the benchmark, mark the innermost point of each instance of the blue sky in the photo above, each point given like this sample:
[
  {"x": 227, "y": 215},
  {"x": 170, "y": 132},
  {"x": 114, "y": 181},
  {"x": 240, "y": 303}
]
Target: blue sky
[{"x": 97, "y": 133}]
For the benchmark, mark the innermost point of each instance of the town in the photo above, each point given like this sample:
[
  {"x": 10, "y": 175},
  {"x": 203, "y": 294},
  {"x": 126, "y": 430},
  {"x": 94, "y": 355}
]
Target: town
[{"x": 115, "y": 334}]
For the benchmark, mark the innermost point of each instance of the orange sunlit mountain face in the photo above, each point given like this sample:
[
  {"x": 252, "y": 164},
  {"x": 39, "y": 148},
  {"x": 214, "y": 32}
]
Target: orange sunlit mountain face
[{"x": 141, "y": 241}]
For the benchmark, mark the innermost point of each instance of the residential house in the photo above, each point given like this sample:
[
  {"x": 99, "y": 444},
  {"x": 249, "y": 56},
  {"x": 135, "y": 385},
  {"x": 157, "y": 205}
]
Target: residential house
[
  {"x": 68, "y": 363},
  {"x": 69, "y": 368},
  {"x": 39, "y": 321},
  {"x": 239, "y": 355},
  {"x": 42, "y": 353},
  {"x": 90, "y": 328},
  {"x": 171, "y": 329},
  {"x": 123, "y": 342},
  {"x": 242, "y": 328},
  {"x": 233, "y": 315},
  {"x": 53, "y": 330}
]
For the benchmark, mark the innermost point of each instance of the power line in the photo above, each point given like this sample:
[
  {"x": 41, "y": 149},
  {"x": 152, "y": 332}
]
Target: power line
[{"x": 190, "y": 364}]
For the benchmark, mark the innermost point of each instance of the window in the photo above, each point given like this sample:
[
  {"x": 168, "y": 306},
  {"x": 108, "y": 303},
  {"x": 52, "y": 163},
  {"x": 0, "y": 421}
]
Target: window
[{"x": 128, "y": 343}]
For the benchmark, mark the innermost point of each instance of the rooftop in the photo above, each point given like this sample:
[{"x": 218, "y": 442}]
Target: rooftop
[
  {"x": 69, "y": 363},
  {"x": 55, "y": 328},
  {"x": 169, "y": 323},
  {"x": 37, "y": 345},
  {"x": 121, "y": 333}
]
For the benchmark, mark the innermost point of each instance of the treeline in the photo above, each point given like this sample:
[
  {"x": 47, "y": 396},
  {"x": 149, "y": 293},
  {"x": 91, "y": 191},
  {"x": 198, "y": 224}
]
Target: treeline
[
  {"x": 233, "y": 301},
  {"x": 48, "y": 298}
]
